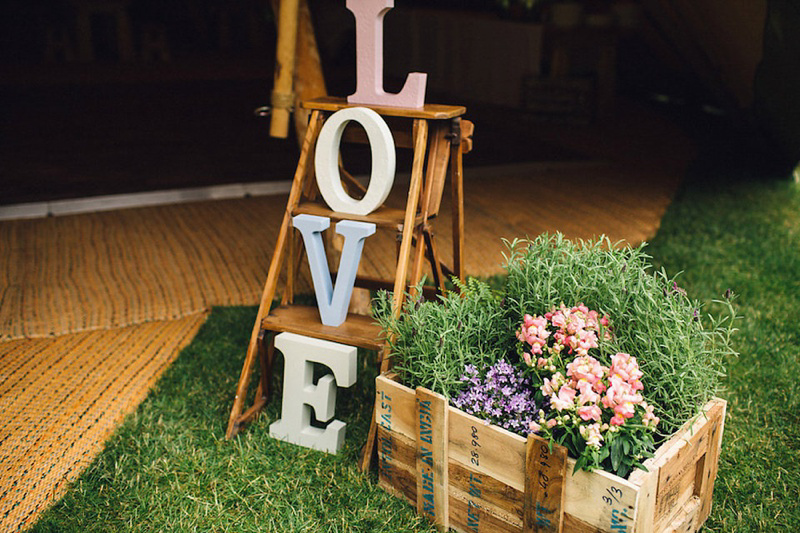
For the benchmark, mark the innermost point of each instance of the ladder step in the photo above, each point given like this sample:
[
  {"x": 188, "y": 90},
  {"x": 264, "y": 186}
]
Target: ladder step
[
  {"x": 385, "y": 217},
  {"x": 358, "y": 330}
]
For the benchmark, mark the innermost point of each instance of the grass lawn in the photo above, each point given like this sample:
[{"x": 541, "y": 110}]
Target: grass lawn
[{"x": 169, "y": 468}]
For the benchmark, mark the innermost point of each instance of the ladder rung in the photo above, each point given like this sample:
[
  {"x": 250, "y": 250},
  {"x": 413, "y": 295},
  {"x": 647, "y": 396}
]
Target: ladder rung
[
  {"x": 357, "y": 330},
  {"x": 383, "y": 216}
]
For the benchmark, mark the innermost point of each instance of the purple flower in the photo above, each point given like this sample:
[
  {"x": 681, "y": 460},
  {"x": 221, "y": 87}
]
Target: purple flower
[{"x": 502, "y": 396}]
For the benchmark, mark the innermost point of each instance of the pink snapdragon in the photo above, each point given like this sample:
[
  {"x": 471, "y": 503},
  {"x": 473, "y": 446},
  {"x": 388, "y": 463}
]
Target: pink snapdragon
[
  {"x": 590, "y": 412},
  {"x": 648, "y": 418},
  {"x": 584, "y": 395},
  {"x": 534, "y": 332},
  {"x": 626, "y": 367},
  {"x": 564, "y": 400},
  {"x": 592, "y": 435},
  {"x": 586, "y": 368}
]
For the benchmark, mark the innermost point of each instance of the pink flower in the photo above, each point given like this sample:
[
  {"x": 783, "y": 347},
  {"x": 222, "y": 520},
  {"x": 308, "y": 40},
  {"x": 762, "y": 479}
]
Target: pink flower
[
  {"x": 617, "y": 420},
  {"x": 536, "y": 345},
  {"x": 565, "y": 398},
  {"x": 591, "y": 434},
  {"x": 648, "y": 418},
  {"x": 534, "y": 427},
  {"x": 527, "y": 358},
  {"x": 589, "y": 412},
  {"x": 551, "y": 423},
  {"x": 588, "y": 395},
  {"x": 585, "y": 368},
  {"x": 534, "y": 332},
  {"x": 624, "y": 410},
  {"x": 558, "y": 320},
  {"x": 626, "y": 367}
]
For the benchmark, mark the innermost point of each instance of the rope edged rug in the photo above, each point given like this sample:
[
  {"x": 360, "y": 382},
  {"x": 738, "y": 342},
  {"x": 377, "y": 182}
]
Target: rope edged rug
[{"x": 61, "y": 398}]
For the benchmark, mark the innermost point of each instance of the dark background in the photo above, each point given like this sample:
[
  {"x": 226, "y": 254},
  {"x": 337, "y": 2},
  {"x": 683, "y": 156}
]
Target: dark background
[{"x": 181, "y": 115}]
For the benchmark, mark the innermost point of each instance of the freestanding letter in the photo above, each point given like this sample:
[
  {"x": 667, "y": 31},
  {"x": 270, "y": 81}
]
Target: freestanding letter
[
  {"x": 326, "y": 161},
  {"x": 369, "y": 60},
  {"x": 332, "y": 302},
  {"x": 300, "y": 394}
]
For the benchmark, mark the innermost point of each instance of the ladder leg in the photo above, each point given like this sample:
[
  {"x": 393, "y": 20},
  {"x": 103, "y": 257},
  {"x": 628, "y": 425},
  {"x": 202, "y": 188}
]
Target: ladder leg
[
  {"x": 433, "y": 259},
  {"x": 272, "y": 277},
  {"x": 457, "y": 184},
  {"x": 266, "y": 356},
  {"x": 420, "y": 142},
  {"x": 419, "y": 257}
]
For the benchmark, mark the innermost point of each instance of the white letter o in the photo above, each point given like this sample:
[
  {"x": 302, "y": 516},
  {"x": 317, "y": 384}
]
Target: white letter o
[{"x": 326, "y": 161}]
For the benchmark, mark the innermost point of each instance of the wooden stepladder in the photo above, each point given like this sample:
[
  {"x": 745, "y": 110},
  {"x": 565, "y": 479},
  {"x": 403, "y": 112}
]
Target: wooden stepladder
[{"x": 439, "y": 137}]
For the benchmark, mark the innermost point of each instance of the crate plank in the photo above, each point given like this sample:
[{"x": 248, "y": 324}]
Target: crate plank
[
  {"x": 467, "y": 517},
  {"x": 601, "y": 500},
  {"x": 546, "y": 470},
  {"x": 488, "y": 449},
  {"x": 432, "y": 443},
  {"x": 485, "y": 495},
  {"x": 397, "y": 464},
  {"x": 394, "y": 407}
]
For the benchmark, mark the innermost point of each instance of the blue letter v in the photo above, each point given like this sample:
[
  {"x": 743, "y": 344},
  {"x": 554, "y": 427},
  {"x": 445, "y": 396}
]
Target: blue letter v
[{"x": 332, "y": 302}]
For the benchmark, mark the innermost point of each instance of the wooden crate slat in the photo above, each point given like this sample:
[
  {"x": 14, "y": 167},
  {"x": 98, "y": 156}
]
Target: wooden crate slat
[
  {"x": 397, "y": 464},
  {"x": 545, "y": 479},
  {"x": 490, "y": 503},
  {"x": 465, "y": 516},
  {"x": 500, "y": 453},
  {"x": 432, "y": 444}
]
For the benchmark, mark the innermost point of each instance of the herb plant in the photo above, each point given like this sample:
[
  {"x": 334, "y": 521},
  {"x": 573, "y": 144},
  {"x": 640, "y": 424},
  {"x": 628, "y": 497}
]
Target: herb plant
[
  {"x": 434, "y": 340},
  {"x": 680, "y": 356}
]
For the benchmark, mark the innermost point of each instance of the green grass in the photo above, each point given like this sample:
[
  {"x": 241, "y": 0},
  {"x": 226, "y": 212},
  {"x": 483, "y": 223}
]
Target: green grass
[{"x": 168, "y": 468}]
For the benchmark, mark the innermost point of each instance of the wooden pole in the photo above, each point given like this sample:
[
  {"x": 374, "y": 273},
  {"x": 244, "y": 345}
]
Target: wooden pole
[
  {"x": 309, "y": 83},
  {"x": 308, "y": 80},
  {"x": 282, "y": 95}
]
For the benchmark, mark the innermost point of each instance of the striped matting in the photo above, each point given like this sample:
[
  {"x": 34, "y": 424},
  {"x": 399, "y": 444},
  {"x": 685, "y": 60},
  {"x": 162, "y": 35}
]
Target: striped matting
[{"x": 61, "y": 398}]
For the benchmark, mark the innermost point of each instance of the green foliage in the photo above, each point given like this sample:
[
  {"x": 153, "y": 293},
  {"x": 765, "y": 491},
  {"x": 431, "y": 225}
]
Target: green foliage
[
  {"x": 436, "y": 339},
  {"x": 651, "y": 317}
]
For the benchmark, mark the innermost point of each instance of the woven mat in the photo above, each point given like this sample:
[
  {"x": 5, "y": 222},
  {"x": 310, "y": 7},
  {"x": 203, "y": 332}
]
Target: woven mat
[
  {"x": 86, "y": 272},
  {"x": 94, "y": 271},
  {"x": 61, "y": 398}
]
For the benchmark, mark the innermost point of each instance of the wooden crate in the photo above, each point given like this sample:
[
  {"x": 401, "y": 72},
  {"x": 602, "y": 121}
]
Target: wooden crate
[{"x": 470, "y": 476}]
